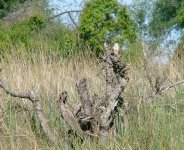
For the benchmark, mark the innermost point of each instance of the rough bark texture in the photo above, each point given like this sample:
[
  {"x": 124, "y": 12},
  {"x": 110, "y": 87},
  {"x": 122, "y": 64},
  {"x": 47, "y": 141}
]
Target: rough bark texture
[
  {"x": 91, "y": 115},
  {"x": 115, "y": 84}
]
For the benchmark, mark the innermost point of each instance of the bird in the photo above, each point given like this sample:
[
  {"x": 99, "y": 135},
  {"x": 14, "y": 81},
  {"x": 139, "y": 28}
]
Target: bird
[{"x": 116, "y": 49}]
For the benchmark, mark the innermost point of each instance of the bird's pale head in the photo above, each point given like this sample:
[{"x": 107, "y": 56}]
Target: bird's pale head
[{"x": 116, "y": 48}]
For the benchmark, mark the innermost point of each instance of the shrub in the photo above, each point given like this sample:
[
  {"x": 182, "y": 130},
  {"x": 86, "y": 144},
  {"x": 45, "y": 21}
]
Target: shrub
[{"x": 101, "y": 20}]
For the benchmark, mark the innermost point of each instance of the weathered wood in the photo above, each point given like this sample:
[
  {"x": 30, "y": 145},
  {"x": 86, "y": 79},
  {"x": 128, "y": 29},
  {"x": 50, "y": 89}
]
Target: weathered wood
[
  {"x": 85, "y": 99},
  {"x": 30, "y": 95},
  {"x": 91, "y": 117}
]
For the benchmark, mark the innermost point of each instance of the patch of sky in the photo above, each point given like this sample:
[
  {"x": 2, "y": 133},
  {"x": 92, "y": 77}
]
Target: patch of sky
[{"x": 63, "y": 5}]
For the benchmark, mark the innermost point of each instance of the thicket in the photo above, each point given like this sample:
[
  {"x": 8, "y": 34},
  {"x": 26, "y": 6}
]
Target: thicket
[{"x": 35, "y": 32}]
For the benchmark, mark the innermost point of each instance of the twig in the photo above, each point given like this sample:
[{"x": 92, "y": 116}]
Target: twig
[
  {"x": 62, "y": 13},
  {"x": 163, "y": 89},
  {"x": 72, "y": 20}
]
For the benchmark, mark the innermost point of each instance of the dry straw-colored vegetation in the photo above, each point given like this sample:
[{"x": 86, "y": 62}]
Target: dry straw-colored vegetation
[{"x": 155, "y": 125}]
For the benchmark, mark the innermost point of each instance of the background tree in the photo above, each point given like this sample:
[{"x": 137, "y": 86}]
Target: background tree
[
  {"x": 101, "y": 20},
  {"x": 7, "y": 5},
  {"x": 140, "y": 12},
  {"x": 168, "y": 15}
]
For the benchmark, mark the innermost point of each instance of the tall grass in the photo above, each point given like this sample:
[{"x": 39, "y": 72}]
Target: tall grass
[{"x": 156, "y": 126}]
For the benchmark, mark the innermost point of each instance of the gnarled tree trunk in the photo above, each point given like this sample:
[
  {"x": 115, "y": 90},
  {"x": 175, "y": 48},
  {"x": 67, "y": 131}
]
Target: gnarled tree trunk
[{"x": 91, "y": 117}]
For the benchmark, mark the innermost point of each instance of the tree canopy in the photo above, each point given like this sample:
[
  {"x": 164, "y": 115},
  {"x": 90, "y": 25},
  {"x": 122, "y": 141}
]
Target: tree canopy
[
  {"x": 167, "y": 14},
  {"x": 101, "y": 20}
]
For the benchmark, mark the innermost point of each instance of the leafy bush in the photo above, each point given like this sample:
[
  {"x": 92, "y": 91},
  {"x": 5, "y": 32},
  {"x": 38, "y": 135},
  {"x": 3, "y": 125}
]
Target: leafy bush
[
  {"x": 35, "y": 32},
  {"x": 20, "y": 33},
  {"x": 101, "y": 20},
  {"x": 36, "y": 22},
  {"x": 62, "y": 40},
  {"x": 179, "y": 51}
]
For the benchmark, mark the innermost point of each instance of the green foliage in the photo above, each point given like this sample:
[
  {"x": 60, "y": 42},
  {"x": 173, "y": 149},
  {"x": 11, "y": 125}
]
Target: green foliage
[
  {"x": 34, "y": 32},
  {"x": 140, "y": 12},
  {"x": 166, "y": 15},
  {"x": 36, "y": 22},
  {"x": 179, "y": 51},
  {"x": 103, "y": 20},
  {"x": 4, "y": 40},
  {"x": 61, "y": 39},
  {"x": 179, "y": 19},
  {"x": 20, "y": 33},
  {"x": 7, "y": 5}
]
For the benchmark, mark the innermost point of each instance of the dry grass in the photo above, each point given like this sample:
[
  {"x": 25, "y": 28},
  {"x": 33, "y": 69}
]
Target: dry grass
[
  {"x": 48, "y": 79},
  {"x": 148, "y": 126}
]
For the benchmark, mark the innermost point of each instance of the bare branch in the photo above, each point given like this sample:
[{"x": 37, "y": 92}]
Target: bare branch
[
  {"x": 66, "y": 113},
  {"x": 72, "y": 20},
  {"x": 72, "y": 121},
  {"x": 37, "y": 106},
  {"x": 65, "y": 12},
  {"x": 14, "y": 93},
  {"x": 163, "y": 89}
]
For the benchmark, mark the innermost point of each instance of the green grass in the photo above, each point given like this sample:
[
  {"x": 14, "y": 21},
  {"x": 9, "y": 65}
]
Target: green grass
[{"x": 156, "y": 126}]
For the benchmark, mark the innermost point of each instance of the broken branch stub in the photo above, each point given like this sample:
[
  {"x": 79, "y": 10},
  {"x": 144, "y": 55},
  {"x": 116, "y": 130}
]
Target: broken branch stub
[
  {"x": 86, "y": 101},
  {"x": 67, "y": 114}
]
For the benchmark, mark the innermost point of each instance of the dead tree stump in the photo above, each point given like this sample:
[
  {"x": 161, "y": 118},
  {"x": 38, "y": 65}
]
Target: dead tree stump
[{"x": 91, "y": 117}]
